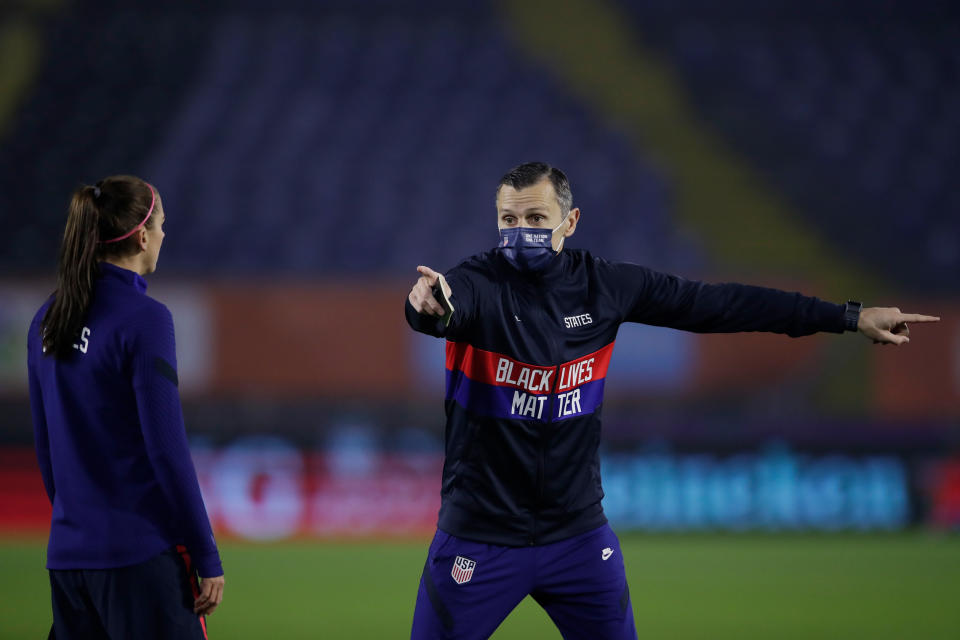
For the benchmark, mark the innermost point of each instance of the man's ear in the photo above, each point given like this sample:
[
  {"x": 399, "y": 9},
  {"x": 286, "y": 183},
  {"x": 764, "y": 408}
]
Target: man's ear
[{"x": 573, "y": 217}]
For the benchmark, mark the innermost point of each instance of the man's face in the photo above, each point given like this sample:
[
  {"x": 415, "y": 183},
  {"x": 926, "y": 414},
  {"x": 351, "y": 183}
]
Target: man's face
[{"x": 536, "y": 207}]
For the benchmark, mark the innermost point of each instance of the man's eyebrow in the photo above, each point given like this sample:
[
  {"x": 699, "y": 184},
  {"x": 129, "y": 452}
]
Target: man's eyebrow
[
  {"x": 529, "y": 210},
  {"x": 534, "y": 209}
]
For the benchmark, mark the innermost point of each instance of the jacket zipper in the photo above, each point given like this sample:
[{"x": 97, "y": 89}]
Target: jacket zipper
[{"x": 541, "y": 454}]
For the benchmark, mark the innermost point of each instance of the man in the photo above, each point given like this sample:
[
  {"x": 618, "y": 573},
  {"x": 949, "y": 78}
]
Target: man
[{"x": 530, "y": 329}]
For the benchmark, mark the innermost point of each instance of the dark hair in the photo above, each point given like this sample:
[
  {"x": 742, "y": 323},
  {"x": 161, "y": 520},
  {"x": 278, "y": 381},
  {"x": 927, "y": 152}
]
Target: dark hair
[
  {"x": 530, "y": 173},
  {"x": 104, "y": 211}
]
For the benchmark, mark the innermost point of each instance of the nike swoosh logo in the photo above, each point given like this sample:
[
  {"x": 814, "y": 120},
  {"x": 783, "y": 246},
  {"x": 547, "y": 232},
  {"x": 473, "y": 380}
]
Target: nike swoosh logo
[{"x": 606, "y": 553}]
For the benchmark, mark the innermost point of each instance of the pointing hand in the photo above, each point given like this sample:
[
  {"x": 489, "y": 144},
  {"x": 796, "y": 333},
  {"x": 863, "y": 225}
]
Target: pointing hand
[
  {"x": 887, "y": 325},
  {"x": 421, "y": 295}
]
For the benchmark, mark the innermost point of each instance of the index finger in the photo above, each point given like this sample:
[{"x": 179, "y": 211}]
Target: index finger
[
  {"x": 916, "y": 317},
  {"x": 430, "y": 273}
]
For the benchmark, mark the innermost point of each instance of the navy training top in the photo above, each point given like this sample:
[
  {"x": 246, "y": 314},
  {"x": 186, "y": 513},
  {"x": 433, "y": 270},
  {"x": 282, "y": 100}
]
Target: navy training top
[
  {"x": 527, "y": 358},
  {"x": 110, "y": 439}
]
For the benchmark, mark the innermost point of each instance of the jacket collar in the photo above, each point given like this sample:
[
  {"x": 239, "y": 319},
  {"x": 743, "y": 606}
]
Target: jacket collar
[
  {"x": 118, "y": 274},
  {"x": 555, "y": 269}
]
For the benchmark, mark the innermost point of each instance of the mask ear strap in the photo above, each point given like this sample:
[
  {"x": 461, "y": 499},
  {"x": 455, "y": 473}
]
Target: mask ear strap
[{"x": 563, "y": 237}]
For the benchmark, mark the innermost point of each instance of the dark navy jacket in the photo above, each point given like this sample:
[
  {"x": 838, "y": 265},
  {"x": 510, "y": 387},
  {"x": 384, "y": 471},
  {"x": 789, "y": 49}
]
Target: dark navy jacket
[
  {"x": 527, "y": 358},
  {"x": 110, "y": 437}
]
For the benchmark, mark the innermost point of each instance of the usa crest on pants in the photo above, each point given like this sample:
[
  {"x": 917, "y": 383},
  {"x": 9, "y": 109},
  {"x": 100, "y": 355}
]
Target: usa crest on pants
[{"x": 462, "y": 569}]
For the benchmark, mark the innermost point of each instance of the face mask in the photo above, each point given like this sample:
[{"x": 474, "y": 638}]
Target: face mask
[{"x": 528, "y": 249}]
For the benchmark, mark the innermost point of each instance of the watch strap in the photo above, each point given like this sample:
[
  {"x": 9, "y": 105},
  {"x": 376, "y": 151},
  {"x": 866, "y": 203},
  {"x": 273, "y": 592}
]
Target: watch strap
[{"x": 851, "y": 315}]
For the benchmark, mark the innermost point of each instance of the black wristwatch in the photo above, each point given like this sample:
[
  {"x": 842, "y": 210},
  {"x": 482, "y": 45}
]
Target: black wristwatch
[{"x": 851, "y": 315}]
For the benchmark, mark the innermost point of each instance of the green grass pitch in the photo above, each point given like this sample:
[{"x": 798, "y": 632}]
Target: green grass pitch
[{"x": 694, "y": 586}]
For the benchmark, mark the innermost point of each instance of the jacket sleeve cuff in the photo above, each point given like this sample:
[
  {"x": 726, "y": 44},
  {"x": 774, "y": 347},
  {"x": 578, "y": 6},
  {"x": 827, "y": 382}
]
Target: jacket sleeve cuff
[
  {"x": 431, "y": 325},
  {"x": 833, "y": 317},
  {"x": 208, "y": 564}
]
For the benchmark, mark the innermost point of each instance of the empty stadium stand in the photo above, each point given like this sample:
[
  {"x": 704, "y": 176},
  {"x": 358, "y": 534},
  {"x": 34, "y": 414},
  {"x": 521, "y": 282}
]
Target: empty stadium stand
[
  {"x": 851, "y": 109},
  {"x": 332, "y": 138}
]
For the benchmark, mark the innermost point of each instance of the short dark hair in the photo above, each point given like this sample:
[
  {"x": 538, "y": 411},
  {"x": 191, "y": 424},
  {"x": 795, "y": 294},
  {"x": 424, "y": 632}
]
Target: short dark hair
[{"x": 530, "y": 173}]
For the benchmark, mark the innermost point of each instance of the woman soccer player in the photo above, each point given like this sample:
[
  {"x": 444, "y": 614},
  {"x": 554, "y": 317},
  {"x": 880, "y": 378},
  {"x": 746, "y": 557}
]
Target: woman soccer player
[{"x": 129, "y": 530}]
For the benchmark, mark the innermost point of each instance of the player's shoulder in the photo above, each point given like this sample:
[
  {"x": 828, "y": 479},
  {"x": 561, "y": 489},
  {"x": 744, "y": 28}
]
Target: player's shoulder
[
  {"x": 582, "y": 259},
  {"x": 151, "y": 309},
  {"x": 600, "y": 263},
  {"x": 143, "y": 321},
  {"x": 583, "y": 265},
  {"x": 140, "y": 312},
  {"x": 38, "y": 317}
]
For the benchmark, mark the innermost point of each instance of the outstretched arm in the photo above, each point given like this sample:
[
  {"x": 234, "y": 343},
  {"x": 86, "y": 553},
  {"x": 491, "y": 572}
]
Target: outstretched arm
[
  {"x": 655, "y": 298},
  {"x": 887, "y": 325},
  {"x": 661, "y": 299}
]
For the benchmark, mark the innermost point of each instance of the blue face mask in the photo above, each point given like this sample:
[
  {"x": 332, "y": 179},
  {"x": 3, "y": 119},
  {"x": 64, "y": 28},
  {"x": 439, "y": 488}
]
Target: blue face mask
[{"x": 528, "y": 249}]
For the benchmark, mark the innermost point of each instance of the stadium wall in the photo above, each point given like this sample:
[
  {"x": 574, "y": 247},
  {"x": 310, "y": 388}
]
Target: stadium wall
[
  {"x": 266, "y": 488},
  {"x": 293, "y": 341},
  {"x": 312, "y": 419}
]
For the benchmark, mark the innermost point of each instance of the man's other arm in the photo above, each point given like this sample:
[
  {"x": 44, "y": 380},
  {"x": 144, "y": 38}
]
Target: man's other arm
[{"x": 666, "y": 300}]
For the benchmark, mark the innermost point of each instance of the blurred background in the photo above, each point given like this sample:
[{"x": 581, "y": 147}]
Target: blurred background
[{"x": 311, "y": 153}]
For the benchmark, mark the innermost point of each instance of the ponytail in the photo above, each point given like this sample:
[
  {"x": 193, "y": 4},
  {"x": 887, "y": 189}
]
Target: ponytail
[
  {"x": 76, "y": 271},
  {"x": 101, "y": 224}
]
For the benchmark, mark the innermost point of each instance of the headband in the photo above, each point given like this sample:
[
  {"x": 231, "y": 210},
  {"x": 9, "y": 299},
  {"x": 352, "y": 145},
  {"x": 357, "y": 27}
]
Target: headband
[{"x": 153, "y": 201}]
